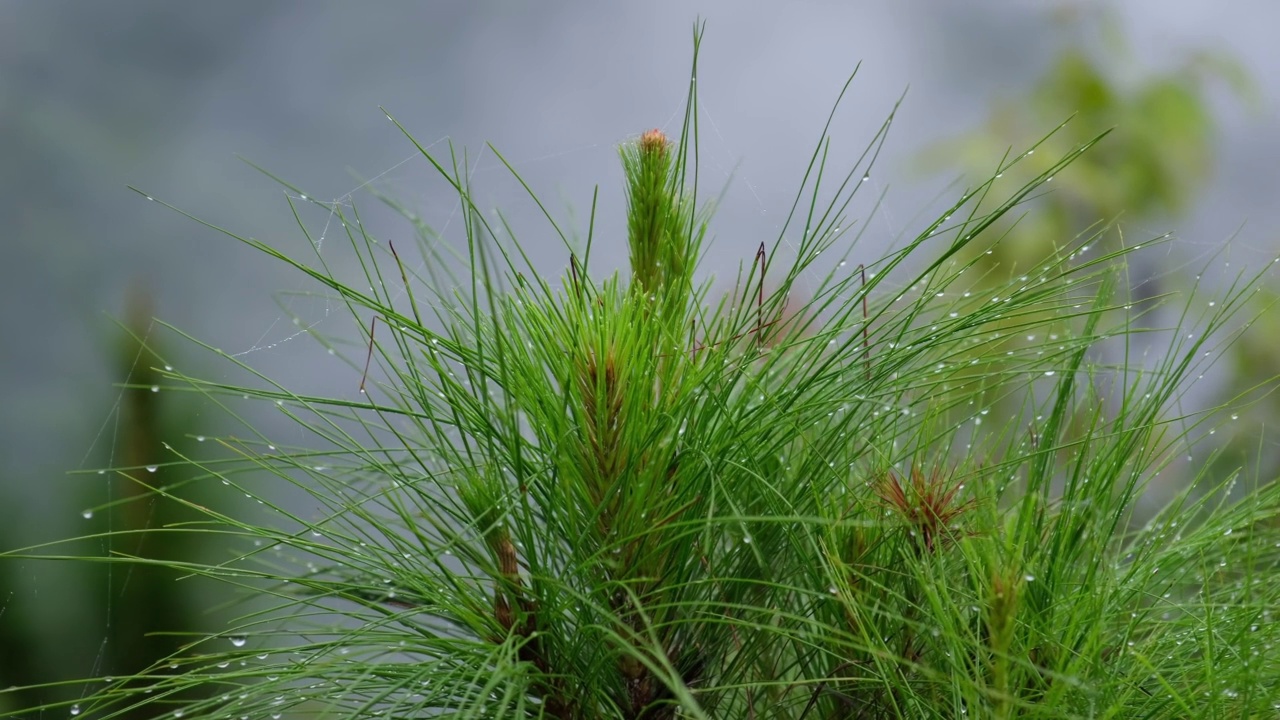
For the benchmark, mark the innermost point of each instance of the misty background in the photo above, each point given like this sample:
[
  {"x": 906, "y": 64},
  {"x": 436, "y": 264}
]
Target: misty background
[{"x": 163, "y": 96}]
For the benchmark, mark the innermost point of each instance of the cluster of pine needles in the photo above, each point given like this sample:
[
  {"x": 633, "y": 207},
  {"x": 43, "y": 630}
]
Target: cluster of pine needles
[{"x": 912, "y": 495}]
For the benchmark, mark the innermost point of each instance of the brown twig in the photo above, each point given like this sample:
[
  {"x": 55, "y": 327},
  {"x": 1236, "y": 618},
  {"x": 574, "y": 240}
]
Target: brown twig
[
  {"x": 760, "y": 258},
  {"x": 403, "y": 277},
  {"x": 866, "y": 338},
  {"x": 373, "y": 324}
]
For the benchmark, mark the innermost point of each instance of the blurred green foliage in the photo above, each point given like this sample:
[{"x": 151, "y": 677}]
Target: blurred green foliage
[
  {"x": 1151, "y": 168},
  {"x": 140, "y": 613},
  {"x": 1157, "y": 158}
]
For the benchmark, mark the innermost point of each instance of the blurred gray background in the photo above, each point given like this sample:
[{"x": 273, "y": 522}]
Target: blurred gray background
[{"x": 97, "y": 96}]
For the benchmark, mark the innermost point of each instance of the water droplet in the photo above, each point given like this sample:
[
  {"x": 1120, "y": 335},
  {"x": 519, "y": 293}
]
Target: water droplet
[
  {"x": 1228, "y": 532},
  {"x": 199, "y": 438},
  {"x": 1049, "y": 373},
  {"x": 238, "y": 640},
  {"x": 86, "y": 514},
  {"x": 1029, "y": 578},
  {"x": 746, "y": 539},
  {"x": 155, "y": 388},
  {"x": 168, "y": 368},
  {"x": 152, "y": 468},
  {"x": 75, "y": 710}
]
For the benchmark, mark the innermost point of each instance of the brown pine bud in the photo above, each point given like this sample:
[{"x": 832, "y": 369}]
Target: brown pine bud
[{"x": 653, "y": 141}]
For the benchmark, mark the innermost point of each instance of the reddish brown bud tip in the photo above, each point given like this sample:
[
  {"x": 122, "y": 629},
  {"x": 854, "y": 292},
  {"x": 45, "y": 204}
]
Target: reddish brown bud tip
[{"x": 653, "y": 141}]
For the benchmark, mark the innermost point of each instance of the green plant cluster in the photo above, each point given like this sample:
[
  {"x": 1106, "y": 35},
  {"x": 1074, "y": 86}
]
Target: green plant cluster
[{"x": 585, "y": 497}]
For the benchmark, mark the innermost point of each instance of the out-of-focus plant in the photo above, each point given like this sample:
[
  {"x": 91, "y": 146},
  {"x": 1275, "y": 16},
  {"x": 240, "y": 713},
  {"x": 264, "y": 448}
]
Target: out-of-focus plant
[
  {"x": 1157, "y": 158},
  {"x": 139, "y": 612}
]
